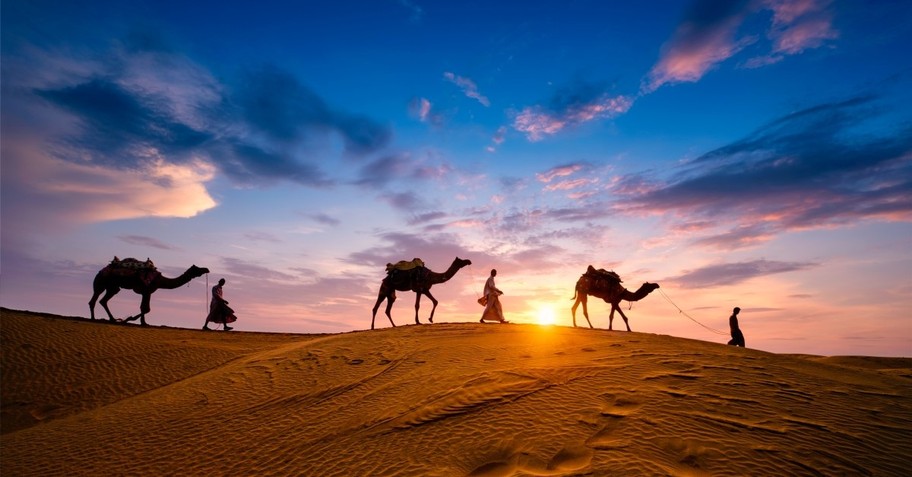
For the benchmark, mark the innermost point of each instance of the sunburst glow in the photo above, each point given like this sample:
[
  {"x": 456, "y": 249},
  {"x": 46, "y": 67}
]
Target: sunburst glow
[{"x": 546, "y": 316}]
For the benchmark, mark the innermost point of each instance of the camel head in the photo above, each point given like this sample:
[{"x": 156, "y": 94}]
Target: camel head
[
  {"x": 461, "y": 263},
  {"x": 195, "y": 271}
]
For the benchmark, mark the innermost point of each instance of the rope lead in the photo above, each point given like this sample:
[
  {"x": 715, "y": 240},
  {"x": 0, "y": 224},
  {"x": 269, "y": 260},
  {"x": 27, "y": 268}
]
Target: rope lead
[{"x": 680, "y": 311}]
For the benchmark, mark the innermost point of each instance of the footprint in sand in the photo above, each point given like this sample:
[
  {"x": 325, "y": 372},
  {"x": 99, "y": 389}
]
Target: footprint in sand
[
  {"x": 613, "y": 415},
  {"x": 569, "y": 459},
  {"x": 356, "y": 361}
]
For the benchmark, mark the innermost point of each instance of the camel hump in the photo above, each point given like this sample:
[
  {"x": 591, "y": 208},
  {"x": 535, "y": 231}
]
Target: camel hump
[
  {"x": 601, "y": 273},
  {"x": 404, "y": 265},
  {"x": 132, "y": 263}
]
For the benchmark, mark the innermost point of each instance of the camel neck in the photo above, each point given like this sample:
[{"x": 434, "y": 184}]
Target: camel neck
[
  {"x": 176, "y": 282},
  {"x": 448, "y": 274}
]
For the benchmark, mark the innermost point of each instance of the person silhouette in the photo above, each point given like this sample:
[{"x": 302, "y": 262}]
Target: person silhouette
[
  {"x": 493, "y": 310},
  {"x": 219, "y": 311},
  {"x": 737, "y": 335}
]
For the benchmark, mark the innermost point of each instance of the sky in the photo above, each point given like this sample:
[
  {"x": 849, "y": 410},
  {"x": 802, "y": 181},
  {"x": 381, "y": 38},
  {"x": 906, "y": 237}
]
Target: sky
[{"x": 739, "y": 153}]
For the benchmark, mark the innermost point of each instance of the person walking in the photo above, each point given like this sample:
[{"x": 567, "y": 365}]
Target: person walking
[
  {"x": 737, "y": 335},
  {"x": 493, "y": 310},
  {"x": 219, "y": 311}
]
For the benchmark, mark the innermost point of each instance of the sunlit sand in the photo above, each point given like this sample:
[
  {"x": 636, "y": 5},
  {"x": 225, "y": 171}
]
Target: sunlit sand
[{"x": 93, "y": 398}]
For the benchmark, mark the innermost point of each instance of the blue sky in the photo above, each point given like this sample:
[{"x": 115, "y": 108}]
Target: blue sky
[{"x": 754, "y": 154}]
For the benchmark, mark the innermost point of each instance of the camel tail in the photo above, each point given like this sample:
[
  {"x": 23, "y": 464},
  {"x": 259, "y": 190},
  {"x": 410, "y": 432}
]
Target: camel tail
[{"x": 575, "y": 292}]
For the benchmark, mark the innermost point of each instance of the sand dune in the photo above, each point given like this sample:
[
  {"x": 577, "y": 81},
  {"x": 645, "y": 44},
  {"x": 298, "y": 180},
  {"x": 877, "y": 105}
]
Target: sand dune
[{"x": 86, "y": 398}]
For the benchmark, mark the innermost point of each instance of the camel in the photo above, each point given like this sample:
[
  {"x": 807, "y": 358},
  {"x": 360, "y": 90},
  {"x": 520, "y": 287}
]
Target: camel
[
  {"x": 419, "y": 280},
  {"x": 142, "y": 278},
  {"x": 607, "y": 286}
]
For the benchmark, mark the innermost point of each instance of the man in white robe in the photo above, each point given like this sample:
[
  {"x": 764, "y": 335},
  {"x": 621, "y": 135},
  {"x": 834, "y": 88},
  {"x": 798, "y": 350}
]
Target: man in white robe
[{"x": 493, "y": 310}]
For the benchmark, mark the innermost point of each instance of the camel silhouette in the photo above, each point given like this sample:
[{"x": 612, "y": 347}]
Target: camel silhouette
[
  {"x": 143, "y": 280},
  {"x": 607, "y": 286},
  {"x": 419, "y": 280}
]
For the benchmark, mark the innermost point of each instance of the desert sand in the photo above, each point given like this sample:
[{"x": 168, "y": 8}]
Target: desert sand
[{"x": 92, "y": 398}]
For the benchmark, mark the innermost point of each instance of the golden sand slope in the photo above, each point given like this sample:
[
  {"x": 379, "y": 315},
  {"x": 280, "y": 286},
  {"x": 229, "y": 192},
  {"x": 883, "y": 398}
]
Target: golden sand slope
[{"x": 88, "y": 398}]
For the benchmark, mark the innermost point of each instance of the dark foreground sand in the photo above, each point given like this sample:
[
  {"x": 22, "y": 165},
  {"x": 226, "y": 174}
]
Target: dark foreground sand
[{"x": 90, "y": 398}]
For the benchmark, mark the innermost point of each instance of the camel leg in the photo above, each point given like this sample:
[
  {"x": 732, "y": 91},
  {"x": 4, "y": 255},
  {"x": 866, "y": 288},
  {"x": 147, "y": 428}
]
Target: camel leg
[
  {"x": 109, "y": 293},
  {"x": 434, "y": 301},
  {"x": 92, "y": 303},
  {"x": 613, "y": 307},
  {"x": 143, "y": 309},
  {"x": 581, "y": 298},
  {"x": 573, "y": 310},
  {"x": 389, "y": 307},
  {"x": 584, "y": 299},
  {"x": 377, "y": 307},
  {"x": 417, "y": 303},
  {"x": 611, "y": 317}
]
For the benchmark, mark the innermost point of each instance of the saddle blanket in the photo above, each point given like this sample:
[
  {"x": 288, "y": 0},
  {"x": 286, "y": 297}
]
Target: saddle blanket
[{"x": 404, "y": 265}]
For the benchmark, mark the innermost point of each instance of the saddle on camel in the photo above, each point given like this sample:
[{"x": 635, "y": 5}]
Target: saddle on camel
[
  {"x": 601, "y": 279},
  {"x": 414, "y": 269},
  {"x": 145, "y": 270}
]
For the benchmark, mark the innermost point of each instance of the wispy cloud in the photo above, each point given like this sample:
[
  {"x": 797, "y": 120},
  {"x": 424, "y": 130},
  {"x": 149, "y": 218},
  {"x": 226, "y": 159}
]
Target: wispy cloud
[
  {"x": 710, "y": 33},
  {"x": 497, "y": 139},
  {"x": 325, "y": 219},
  {"x": 797, "y": 25},
  {"x": 469, "y": 88},
  {"x": 804, "y": 170},
  {"x": 144, "y": 241},
  {"x": 137, "y": 105},
  {"x": 727, "y": 274},
  {"x": 558, "y": 171},
  {"x": 574, "y": 105},
  {"x": 704, "y": 38},
  {"x": 262, "y": 237},
  {"x": 250, "y": 270}
]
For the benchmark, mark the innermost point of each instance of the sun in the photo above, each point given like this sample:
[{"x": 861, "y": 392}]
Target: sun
[{"x": 546, "y": 316}]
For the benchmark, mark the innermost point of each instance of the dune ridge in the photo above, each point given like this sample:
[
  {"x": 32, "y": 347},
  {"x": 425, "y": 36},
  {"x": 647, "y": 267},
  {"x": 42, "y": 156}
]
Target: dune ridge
[{"x": 89, "y": 398}]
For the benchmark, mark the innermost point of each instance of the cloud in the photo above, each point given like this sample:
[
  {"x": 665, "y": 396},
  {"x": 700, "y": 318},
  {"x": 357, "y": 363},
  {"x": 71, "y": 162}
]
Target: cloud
[
  {"x": 810, "y": 169},
  {"x": 708, "y": 35},
  {"x": 146, "y": 242},
  {"x": 277, "y": 104},
  {"x": 734, "y": 273},
  {"x": 142, "y": 102},
  {"x": 704, "y": 38},
  {"x": 383, "y": 170},
  {"x": 325, "y": 219},
  {"x": 558, "y": 171},
  {"x": 573, "y": 105},
  {"x": 262, "y": 237},
  {"x": 404, "y": 201},
  {"x": 250, "y": 270},
  {"x": 497, "y": 139},
  {"x": 469, "y": 88},
  {"x": 572, "y": 184},
  {"x": 797, "y": 25},
  {"x": 437, "y": 250}
]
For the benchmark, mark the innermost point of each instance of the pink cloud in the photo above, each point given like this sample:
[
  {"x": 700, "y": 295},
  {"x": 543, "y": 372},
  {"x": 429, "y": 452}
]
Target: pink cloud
[
  {"x": 693, "y": 52},
  {"x": 797, "y": 25},
  {"x": 810, "y": 33},
  {"x": 468, "y": 87},
  {"x": 709, "y": 37},
  {"x": 559, "y": 171},
  {"x": 537, "y": 123},
  {"x": 571, "y": 184},
  {"x": 786, "y": 11}
]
